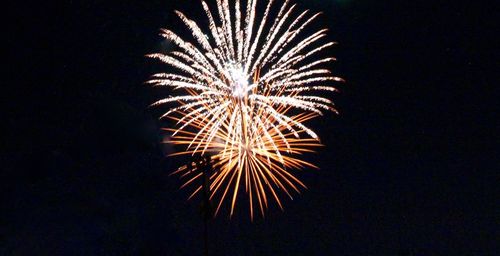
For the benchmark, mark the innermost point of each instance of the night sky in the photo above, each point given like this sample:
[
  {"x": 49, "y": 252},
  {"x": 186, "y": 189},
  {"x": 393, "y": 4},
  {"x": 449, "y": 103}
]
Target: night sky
[{"x": 410, "y": 166}]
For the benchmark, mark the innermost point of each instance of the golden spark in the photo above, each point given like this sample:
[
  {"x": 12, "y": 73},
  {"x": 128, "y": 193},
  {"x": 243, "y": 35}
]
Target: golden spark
[{"x": 245, "y": 98}]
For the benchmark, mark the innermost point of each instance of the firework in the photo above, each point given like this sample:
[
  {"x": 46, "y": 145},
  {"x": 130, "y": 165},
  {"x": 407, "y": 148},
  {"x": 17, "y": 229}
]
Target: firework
[{"x": 247, "y": 89}]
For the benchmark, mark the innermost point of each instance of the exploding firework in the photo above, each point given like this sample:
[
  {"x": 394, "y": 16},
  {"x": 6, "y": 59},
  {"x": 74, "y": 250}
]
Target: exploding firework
[{"x": 247, "y": 89}]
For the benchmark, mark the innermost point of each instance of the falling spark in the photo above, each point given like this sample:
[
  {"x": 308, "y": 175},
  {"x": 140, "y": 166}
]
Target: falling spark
[{"x": 244, "y": 100}]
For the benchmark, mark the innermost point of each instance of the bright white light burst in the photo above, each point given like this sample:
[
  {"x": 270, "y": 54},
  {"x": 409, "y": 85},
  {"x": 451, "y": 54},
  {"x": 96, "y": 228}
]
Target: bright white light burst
[{"x": 247, "y": 88}]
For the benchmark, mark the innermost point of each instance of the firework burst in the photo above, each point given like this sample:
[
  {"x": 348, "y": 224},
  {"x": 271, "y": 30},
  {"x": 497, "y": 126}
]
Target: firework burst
[{"x": 247, "y": 89}]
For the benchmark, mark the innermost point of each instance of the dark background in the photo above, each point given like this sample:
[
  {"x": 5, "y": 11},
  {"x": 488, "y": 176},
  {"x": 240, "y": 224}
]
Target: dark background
[{"x": 410, "y": 166}]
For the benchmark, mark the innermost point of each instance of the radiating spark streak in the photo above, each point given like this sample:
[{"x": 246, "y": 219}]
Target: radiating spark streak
[
  {"x": 272, "y": 35},
  {"x": 244, "y": 86},
  {"x": 257, "y": 37}
]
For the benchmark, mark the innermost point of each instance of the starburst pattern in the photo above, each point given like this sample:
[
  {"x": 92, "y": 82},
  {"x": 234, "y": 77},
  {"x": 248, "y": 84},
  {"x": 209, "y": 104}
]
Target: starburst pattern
[{"x": 246, "y": 88}]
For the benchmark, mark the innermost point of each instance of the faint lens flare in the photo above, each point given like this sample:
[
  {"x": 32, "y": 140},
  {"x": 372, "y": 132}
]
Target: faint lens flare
[{"x": 247, "y": 87}]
